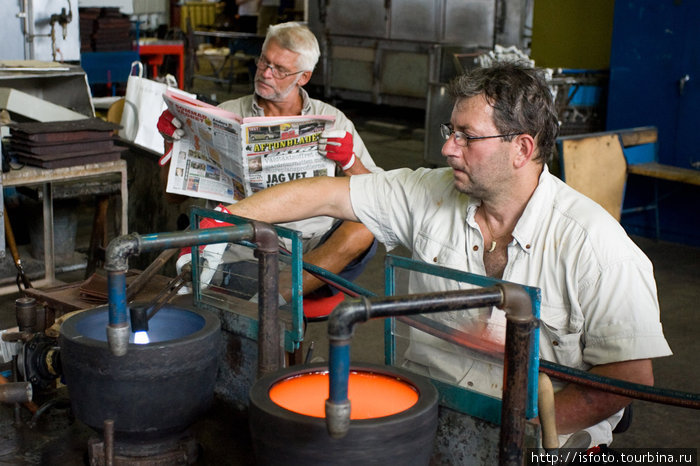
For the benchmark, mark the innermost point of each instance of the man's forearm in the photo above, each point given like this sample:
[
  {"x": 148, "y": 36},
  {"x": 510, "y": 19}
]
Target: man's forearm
[
  {"x": 299, "y": 200},
  {"x": 578, "y": 407}
]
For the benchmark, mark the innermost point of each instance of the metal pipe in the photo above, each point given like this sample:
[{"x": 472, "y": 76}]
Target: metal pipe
[
  {"x": 269, "y": 333},
  {"x": 520, "y": 322},
  {"x": 16, "y": 392},
  {"x": 30, "y": 405},
  {"x": 27, "y": 15},
  {"x": 25, "y": 312},
  {"x": 513, "y": 299},
  {"x": 120, "y": 249},
  {"x": 341, "y": 326}
]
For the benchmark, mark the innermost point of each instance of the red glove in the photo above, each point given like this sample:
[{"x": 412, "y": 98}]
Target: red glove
[
  {"x": 211, "y": 253},
  {"x": 170, "y": 128},
  {"x": 336, "y": 145}
]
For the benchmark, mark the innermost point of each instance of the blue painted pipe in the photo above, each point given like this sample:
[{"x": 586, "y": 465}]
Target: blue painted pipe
[
  {"x": 339, "y": 361},
  {"x": 117, "y": 298}
]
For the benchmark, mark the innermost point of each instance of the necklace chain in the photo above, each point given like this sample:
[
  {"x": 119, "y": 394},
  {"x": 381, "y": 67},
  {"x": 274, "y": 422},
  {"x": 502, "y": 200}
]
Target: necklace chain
[{"x": 494, "y": 239}]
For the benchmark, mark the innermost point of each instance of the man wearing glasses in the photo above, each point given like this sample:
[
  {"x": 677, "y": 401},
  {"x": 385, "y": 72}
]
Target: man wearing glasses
[
  {"x": 289, "y": 54},
  {"x": 497, "y": 211}
]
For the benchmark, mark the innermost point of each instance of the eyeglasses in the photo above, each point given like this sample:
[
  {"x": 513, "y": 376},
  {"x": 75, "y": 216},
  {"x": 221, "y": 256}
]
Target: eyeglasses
[
  {"x": 462, "y": 139},
  {"x": 277, "y": 73}
]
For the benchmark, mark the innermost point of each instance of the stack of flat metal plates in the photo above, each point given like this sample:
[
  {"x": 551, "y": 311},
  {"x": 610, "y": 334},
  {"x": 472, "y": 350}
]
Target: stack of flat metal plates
[
  {"x": 64, "y": 143},
  {"x": 104, "y": 30}
]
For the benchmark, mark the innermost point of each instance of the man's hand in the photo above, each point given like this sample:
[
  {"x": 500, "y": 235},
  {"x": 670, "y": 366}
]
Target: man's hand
[
  {"x": 171, "y": 129},
  {"x": 211, "y": 253},
  {"x": 336, "y": 145}
]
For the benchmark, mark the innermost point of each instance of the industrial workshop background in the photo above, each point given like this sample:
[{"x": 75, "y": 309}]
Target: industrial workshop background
[{"x": 88, "y": 224}]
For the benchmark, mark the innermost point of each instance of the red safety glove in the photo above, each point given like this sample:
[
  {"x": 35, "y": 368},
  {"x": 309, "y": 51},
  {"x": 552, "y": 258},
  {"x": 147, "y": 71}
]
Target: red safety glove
[
  {"x": 336, "y": 145},
  {"x": 171, "y": 129},
  {"x": 211, "y": 253}
]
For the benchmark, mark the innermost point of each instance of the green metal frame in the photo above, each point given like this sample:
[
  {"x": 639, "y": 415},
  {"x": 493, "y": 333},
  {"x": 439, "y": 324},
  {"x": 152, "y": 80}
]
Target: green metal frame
[
  {"x": 458, "y": 398},
  {"x": 293, "y": 337}
]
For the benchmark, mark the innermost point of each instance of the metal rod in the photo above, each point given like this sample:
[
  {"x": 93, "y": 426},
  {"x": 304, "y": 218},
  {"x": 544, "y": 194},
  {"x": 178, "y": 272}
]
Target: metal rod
[
  {"x": 165, "y": 295},
  {"x": 22, "y": 279},
  {"x": 15, "y": 369},
  {"x": 142, "y": 280},
  {"x": 109, "y": 442}
]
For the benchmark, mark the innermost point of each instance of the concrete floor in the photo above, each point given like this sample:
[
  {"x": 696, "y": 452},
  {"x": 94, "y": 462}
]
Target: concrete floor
[{"x": 654, "y": 425}]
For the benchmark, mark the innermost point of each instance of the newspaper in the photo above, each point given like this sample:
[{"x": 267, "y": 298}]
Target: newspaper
[{"x": 226, "y": 158}]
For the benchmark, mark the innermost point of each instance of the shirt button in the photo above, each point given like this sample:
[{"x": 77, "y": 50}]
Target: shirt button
[
  {"x": 434, "y": 259},
  {"x": 527, "y": 246},
  {"x": 476, "y": 248},
  {"x": 555, "y": 343}
]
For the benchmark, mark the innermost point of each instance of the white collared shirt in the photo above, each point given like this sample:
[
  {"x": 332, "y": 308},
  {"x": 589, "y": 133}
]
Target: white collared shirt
[{"x": 599, "y": 302}]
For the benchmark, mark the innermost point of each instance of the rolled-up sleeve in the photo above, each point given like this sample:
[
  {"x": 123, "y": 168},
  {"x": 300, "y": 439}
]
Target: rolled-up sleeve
[{"x": 622, "y": 325}]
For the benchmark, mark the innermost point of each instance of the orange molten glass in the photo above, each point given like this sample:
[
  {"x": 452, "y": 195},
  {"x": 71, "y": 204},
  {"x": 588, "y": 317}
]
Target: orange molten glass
[{"x": 371, "y": 395}]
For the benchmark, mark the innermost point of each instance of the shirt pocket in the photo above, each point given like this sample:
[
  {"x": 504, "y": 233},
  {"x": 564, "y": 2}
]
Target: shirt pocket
[
  {"x": 560, "y": 342},
  {"x": 436, "y": 252}
]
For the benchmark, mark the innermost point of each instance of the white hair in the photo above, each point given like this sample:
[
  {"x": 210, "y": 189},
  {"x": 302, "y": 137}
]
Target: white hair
[{"x": 298, "y": 38}]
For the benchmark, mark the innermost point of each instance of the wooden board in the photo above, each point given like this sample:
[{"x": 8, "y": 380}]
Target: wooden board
[
  {"x": 595, "y": 166},
  {"x": 666, "y": 172},
  {"x": 636, "y": 136}
]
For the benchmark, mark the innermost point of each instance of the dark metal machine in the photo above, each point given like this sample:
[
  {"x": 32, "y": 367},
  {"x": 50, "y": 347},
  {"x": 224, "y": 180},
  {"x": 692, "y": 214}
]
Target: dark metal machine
[{"x": 142, "y": 397}]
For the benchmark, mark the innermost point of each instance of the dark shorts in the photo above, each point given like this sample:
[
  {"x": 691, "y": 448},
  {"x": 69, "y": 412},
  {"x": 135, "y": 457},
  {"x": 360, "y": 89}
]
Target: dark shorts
[{"x": 241, "y": 277}]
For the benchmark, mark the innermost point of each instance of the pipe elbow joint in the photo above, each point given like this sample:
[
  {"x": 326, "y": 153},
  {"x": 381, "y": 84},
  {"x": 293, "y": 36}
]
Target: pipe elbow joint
[
  {"x": 119, "y": 250},
  {"x": 516, "y": 303},
  {"x": 341, "y": 322},
  {"x": 265, "y": 237}
]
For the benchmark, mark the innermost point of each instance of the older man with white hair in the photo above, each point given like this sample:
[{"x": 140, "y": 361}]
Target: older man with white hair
[{"x": 287, "y": 60}]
